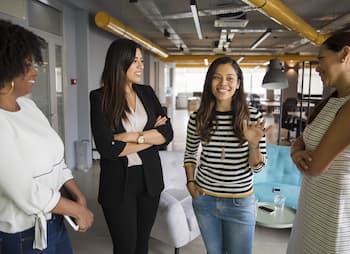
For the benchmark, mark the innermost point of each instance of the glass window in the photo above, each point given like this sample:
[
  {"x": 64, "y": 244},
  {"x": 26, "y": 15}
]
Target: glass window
[{"x": 44, "y": 17}]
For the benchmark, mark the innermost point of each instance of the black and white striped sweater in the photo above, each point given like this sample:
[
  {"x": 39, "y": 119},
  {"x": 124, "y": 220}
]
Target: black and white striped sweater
[{"x": 223, "y": 168}]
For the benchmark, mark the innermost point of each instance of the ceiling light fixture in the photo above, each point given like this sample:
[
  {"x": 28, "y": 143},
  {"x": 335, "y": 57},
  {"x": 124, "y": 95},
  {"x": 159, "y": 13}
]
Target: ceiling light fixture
[
  {"x": 262, "y": 38},
  {"x": 206, "y": 61},
  {"x": 194, "y": 11},
  {"x": 240, "y": 59},
  {"x": 275, "y": 78}
]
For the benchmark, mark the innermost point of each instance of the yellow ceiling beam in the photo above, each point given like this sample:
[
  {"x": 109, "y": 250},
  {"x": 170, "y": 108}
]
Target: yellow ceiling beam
[
  {"x": 110, "y": 24},
  {"x": 280, "y": 13},
  {"x": 199, "y": 59},
  {"x": 180, "y": 65}
]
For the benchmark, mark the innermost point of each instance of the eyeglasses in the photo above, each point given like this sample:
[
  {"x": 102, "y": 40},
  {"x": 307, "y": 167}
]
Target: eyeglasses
[{"x": 32, "y": 65}]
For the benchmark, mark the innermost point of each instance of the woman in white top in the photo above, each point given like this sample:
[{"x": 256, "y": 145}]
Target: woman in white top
[
  {"x": 32, "y": 167},
  {"x": 322, "y": 154}
]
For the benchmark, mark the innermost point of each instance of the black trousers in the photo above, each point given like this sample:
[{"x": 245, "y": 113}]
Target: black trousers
[{"x": 131, "y": 221}]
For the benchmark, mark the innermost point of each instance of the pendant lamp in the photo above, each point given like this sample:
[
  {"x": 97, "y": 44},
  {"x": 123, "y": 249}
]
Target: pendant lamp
[{"x": 275, "y": 78}]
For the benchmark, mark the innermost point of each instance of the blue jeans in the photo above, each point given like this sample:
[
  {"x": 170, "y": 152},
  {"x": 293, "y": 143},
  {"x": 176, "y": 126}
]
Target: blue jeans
[
  {"x": 22, "y": 242},
  {"x": 227, "y": 224}
]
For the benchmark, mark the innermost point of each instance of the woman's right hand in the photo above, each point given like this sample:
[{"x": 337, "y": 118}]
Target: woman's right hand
[
  {"x": 84, "y": 219},
  {"x": 301, "y": 158},
  {"x": 194, "y": 189}
]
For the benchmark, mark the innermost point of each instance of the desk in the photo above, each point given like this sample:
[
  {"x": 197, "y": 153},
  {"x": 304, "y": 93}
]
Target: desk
[
  {"x": 270, "y": 105},
  {"x": 276, "y": 219},
  {"x": 277, "y": 104},
  {"x": 297, "y": 114}
]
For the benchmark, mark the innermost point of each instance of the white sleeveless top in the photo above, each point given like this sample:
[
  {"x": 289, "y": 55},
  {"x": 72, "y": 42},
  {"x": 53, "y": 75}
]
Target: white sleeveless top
[{"x": 322, "y": 223}]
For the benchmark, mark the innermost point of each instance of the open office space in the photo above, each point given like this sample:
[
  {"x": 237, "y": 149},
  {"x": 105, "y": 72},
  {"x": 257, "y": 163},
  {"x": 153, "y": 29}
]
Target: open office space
[{"x": 180, "y": 38}]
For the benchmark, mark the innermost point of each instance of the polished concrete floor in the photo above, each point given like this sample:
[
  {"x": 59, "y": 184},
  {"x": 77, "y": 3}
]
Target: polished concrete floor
[{"x": 97, "y": 240}]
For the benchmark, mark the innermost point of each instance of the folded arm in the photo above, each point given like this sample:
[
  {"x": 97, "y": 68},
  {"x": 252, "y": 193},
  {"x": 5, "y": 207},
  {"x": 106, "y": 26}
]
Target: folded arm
[{"x": 334, "y": 141}]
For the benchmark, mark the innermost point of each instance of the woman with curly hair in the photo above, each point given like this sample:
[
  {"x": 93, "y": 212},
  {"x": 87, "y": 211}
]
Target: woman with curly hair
[
  {"x": 322, "y": 154},
  {"x": 32, "y": 166},
  {"x": 233, "y": 147}
]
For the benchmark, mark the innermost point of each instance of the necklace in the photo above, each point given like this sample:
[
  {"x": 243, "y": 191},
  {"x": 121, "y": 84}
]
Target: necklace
[{"x": 223, "y": 153}]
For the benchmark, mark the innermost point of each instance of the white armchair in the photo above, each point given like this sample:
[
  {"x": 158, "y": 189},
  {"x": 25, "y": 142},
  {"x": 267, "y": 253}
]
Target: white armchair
[{"x": 176, "y": 223}]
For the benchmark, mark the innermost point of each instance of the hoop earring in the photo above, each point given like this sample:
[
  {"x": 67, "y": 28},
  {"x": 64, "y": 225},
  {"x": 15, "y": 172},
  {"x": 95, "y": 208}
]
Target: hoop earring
[{"x": 12, "y": 87}]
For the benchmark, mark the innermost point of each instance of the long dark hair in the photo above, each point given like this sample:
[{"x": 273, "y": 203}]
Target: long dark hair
[
  {"x": 334, "y": 43},
  {"x": 206, "y": 115},
  {"x": 120, "y": 55},
  {"x": 17, "y": 46}
]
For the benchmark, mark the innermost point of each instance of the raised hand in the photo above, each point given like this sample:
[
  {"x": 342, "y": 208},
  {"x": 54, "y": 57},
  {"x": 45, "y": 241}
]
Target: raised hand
[{"x": 253, "y": 132}]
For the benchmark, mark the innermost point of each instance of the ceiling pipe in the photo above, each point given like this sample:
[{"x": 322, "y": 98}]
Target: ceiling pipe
[
  {"x": 280, "y": 13},
  {"x": 247, "y": 58},
  {"x": 110, "y": 24},
  {"x": 261, "y": 39},
  {"x": 151, "y": 11}
]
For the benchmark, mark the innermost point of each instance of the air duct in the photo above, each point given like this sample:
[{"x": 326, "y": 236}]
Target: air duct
[
  {"x": 110, "y": 24},
  {"x": 280, "y": 13}
]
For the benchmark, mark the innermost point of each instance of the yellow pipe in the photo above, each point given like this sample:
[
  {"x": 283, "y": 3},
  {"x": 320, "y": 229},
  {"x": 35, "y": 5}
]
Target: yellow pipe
[
  {"x": 199, "y": 59},
  {"x": 110, "y": 24},
  {"x": 282, "y": 14},
  {"x": 181, "y": 65}
]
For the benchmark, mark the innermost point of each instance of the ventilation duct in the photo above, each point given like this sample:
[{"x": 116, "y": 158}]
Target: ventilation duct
[{"x": 231, "y": 20}]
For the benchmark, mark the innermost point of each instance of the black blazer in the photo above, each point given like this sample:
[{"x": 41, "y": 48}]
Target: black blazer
[{"x": 114, "y": 171}]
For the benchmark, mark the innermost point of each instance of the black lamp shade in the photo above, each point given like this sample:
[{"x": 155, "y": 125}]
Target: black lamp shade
[{"x": 275, "y": 78}]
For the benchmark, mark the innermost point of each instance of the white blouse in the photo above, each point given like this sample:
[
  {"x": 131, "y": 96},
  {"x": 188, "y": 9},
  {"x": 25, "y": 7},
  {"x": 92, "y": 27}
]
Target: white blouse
[
  {"x": 135, "y": 123},
  {"x": 32, "y": 170}
]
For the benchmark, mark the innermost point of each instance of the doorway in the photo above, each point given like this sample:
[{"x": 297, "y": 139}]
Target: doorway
[{"x": 48, "y": 92}]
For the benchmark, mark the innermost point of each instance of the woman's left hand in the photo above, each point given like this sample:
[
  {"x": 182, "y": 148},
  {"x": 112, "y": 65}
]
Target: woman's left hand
[
  {"x": 161, "y": 120},
  {"x": 255, "y": 131}
]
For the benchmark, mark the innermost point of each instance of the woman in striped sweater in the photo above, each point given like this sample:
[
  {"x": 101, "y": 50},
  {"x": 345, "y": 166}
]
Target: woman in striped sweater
[{"x": 233, "y": 147}]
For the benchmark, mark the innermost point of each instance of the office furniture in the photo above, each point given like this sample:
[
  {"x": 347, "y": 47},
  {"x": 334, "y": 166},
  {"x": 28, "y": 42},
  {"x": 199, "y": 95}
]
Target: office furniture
[
  {"x": 279, "y": 173},
  {"x": 176, "y": 223}
]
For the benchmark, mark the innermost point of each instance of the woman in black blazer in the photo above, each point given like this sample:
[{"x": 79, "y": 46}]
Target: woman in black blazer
[{"x": 128, "y": 125}]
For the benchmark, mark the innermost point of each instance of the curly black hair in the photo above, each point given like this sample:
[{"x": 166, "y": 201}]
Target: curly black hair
[{"x": 17, "y": 46}]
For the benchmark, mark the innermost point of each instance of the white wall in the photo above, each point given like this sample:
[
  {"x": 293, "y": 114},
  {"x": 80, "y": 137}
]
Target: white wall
[
  {"x": 70, "y": 91},
  {"x": 99, "y": 43}
]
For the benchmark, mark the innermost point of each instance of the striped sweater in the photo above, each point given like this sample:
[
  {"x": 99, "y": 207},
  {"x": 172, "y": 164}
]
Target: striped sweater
[{"x": 223, "y": 168}]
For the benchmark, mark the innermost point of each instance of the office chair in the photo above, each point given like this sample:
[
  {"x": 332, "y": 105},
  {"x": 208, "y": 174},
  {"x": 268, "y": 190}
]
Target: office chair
[
  {"x": 289, "y": 122},
  {"x": 255, "y": 101}
]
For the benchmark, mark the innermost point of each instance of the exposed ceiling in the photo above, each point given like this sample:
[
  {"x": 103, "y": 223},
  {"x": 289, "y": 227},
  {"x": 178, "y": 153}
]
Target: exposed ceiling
[{"x": 169, "y": 25}]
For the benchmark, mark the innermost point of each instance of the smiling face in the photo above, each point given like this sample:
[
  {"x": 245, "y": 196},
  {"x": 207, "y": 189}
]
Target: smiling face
[
  {"x": 23, "y": 84},
  {"x": 330, "y": 67},
  {"x": 224, "y": 83},
  {"x": 134, "y": 73}
]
